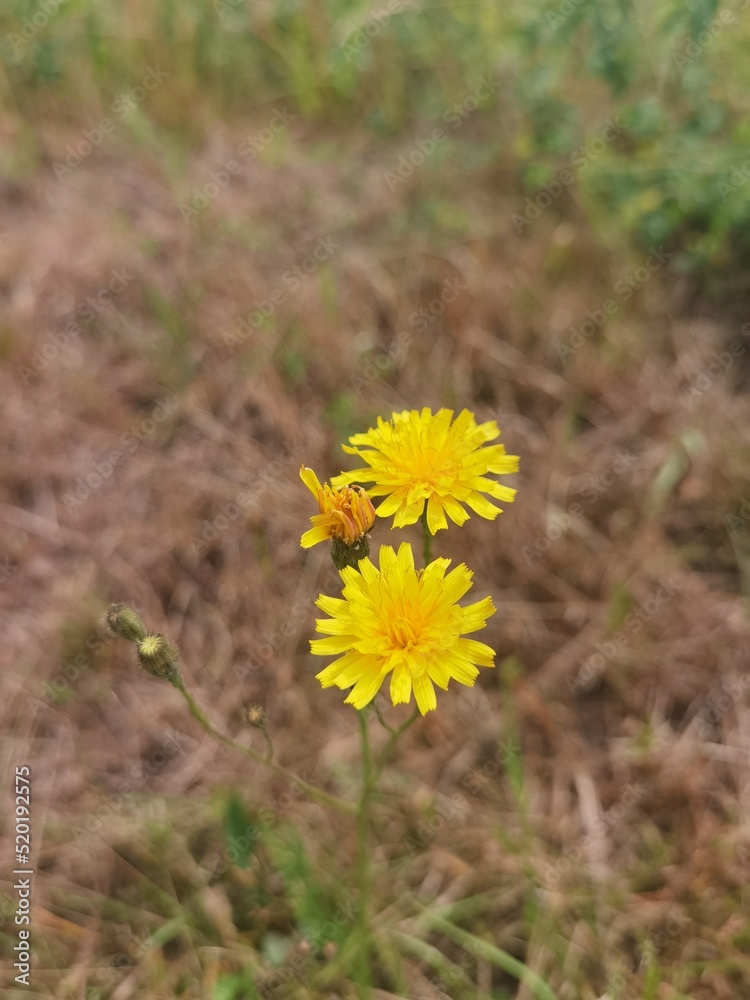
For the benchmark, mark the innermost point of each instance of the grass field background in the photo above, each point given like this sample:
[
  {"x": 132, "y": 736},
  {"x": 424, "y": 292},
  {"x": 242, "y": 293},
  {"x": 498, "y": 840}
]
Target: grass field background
[{"x": 231, "y": 235}]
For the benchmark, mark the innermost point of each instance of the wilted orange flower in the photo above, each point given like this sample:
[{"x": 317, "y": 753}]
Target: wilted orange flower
[{"x": 347, "y": 513}]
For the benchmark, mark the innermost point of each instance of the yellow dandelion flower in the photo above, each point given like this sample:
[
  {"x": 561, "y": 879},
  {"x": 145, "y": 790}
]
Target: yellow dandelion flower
[
  {"x": 403, "y": 622},
  {"x": 418, "y": 458},
  {"x": 346, "y": 513}
]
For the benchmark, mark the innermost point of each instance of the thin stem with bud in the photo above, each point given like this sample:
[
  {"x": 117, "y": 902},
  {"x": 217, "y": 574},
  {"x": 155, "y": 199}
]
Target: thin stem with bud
[{"x": 310, "y": 790}]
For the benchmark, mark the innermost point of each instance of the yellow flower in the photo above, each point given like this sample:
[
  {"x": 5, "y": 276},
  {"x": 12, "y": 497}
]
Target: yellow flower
[
  {"x": 403, "y": 622},
  {"x": 347, "y": 514},
  {"x": 417, "y": 458}
]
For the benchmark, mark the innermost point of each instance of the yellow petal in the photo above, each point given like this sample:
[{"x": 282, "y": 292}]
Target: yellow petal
[
  {"x": 424, "y": 692},
  {"x": 476, "y": 652},
  {"x": 310, "y": 480},
  {"x": 314, "y": 535},
  {"x": 401, "y": 685},
  {"x": 364, "y": 691},
  {"x": 454, "y": 510},
  {"x": 332, "y": 605},
  {"x": 408, "y": 514},
  {"x": 435, "y": 515},
  {"x": 482, "y": 506},
  {"x": 405, "y": 558},
  {"x": 462, "y": 670},
  {"x": 331, "y": 646}
]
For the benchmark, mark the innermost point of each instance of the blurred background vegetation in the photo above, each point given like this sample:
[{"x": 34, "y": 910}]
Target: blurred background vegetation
[{"x": 673, "y": 73}]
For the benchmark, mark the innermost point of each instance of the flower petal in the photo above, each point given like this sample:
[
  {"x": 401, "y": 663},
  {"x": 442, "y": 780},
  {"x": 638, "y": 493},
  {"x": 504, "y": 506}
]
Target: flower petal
[
  {"x": 401, "y": 685},
  {"x": 310, "y": 480},
  {"x": 482, "y": 506},
  {"x": 435, "y": 515},
  {"x": 424, "y": 693},
  {"x": 364, "y": 691},
  {"x": 312, "y": 536}
]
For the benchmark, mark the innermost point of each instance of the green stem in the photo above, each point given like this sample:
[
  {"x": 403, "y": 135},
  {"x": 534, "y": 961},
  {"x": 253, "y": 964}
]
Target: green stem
[
  {"x": 310, "y": 790},
  {"x": 269, "y": 744},
  {"x": 381, "y": 720},
  {"x": 388, "y": 748},
  {"x": 426, "y": 538},
  {"x": 363, "y": 869}
]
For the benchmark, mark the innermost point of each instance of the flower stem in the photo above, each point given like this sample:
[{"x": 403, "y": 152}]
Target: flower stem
[
  {"x": 388, "y": 748},
  {"x": 381, "y": 720},
  {"x": 363, "y": 870},
  {"x": 310, "y": 790},
  {"x": 426, "y": 538}
]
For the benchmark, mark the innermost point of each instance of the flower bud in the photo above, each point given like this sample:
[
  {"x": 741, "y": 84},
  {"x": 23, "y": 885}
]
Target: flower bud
[
  {"x": 125, "y": 622},
  {"x": 257, "y": 716},
  {"x": 159, "y": 656}
]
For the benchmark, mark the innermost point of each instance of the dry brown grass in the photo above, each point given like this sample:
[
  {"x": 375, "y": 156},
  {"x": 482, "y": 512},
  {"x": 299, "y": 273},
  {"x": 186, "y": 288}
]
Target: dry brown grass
[{"x": 126, "y": 818}]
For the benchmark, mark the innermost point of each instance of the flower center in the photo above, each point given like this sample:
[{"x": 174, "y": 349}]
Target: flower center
[
  {"x": 430, "y": 465},
  {"x": 402, "y": 633}
]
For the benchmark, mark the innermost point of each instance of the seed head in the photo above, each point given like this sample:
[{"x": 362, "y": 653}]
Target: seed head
[{"x": 257, "y": 716}]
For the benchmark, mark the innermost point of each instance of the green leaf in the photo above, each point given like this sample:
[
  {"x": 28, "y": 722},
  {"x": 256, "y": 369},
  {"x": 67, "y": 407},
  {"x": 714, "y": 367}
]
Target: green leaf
[
  {"x": 620, "y": 606},
  {"x": 240, "y": 831},
  {"x": 236, "y": 986},
  {"x": 491, "y": 953}
]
